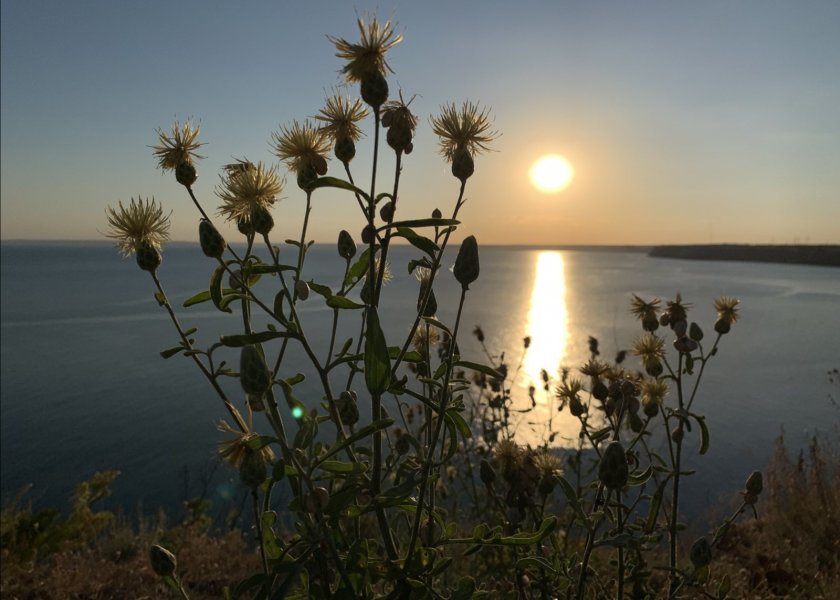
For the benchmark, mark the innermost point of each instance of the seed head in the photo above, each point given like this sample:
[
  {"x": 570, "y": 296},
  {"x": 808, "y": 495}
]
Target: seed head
[
  {"x": 177, "y": 147},
  {"x": 302, "y": 146},
  {"x": 246, "y": 187},
  {"x": 467, "y": 128},
  {"x": 727, "y": 309},
  {"x": 140, "y": 224},
  {"x": 367, "y": 58},
  {"x": 341, "y": 116}
]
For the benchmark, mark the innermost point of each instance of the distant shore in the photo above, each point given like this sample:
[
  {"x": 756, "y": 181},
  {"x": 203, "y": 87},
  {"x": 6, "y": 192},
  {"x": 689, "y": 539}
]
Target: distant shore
[{"x": 819, "y": 255}]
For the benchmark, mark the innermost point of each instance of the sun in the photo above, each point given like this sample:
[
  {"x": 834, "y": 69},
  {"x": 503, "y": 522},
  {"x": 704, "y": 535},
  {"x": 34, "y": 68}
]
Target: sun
[{"x": 551, "y": 173}]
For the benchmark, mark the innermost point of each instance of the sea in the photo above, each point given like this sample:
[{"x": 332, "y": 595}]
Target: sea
[{"x": 85, "y": 389}]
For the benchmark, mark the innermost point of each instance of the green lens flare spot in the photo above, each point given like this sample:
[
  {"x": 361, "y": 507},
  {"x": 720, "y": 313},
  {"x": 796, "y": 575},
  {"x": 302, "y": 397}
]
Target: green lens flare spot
[{"x": 297, "y": 412}]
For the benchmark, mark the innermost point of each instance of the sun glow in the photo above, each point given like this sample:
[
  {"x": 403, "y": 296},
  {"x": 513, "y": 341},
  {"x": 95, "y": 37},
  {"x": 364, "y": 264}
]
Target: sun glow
[{"x": 551, "y": 173}]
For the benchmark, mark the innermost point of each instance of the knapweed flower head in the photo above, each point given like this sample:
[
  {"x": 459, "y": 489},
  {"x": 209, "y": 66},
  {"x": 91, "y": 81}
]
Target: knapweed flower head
[
  {"x": 646, "y": 312},
  {"x": 507, "y": 455},
  {"x": 727, "y": 309},
  {"x": 595, "y": 368},
  {"x": 467, "y": 128},
  {"x": 401, "y": 123},
  {"x": 141, "y": 223},
  {"x": 302, "y": 146},
  {"x": 178, "y": 147},
  {"x": 246, "y": 188},
  {"x": 235, "y": 449},
  {"x": 649, "y": 347},
  {"x": 341, "y": 117},
  {"x": 548, "y": 463},
  {"x": 367, "y": 58},
  {"x": 654, "y": 389},
  {"x": 569, "y": 388},
  {"x": 676, "y": 310}
]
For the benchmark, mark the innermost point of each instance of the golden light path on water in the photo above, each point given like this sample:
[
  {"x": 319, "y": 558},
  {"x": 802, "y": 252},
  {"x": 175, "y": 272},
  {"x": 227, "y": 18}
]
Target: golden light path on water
[{"x": 548, "y": 326}]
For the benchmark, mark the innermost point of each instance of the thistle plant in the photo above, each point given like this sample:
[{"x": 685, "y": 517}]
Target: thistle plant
[{"x": 351, "y": 504}]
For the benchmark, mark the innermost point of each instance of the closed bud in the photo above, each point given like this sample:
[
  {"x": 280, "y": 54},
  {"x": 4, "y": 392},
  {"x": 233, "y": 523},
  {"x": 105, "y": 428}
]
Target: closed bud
[
  {"x": 680, "y": 327},
  {"x": 185, "y": 174},
  {"x": 575, "y": 406},
  {"x": 212, "y": 242},
  {"x": 374, "y": 89},
  {"x": 345, "y": 149},
  {"x": 262, "y": 221},
  {"x": 685, "y": 344},
  {"x": 463, "y": 165},
  {"x": 306, "y": 178},
  {"x": 346, "y": 245},
  {"x": 436, "y": 214},
  {"x": 635, "y": 422},
  {"x": 254, "y": 375},
  {"x": 302, "y": 289},
  {"x": 755, "y": 483},
  {"x": 695, "y": 333},
  {"x": 387, "y": 212},
  {"x": 612, "y": 470},
  {"x": 700, "y": 553},
  {"x": 347, "y": 408},
  {"x": 600, "y": 391},
  {"x": 677, "y": 434},
  {"x": 368, "y": 234},
  {"x": 486, "y": 472},
  {"x": 431, "y": 304},
  {"x": 252, "y": 470},
  {"x": 399, "y": 136},
  {"x": 162, "y": 560},
  {"x": 148, "y": 257},
  {"x": 466, "y": 264}
]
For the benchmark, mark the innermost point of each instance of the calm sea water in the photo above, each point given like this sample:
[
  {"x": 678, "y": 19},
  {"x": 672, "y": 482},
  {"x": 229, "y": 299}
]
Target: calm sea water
[{"x": 84, "y": 388}]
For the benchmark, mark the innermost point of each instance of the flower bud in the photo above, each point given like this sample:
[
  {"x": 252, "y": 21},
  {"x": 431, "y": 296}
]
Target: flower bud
[
  {"x": 612, "y": 470},
  {"x": 600, "y": 390},
  {"x": 575, "y": 406},
  {"x": 436, "y": 214},
  {"x": 185, "y": 174},
  {"x": 677, "y": 434},
  {"x": 387, "y": 212},
  {"x": 755, "y": 483},
  {"x": 252, "y": 470},
  {"x": 685, "y": 344},
  {"x": 722, "y": 326},
  {"x": 635, "y": 422},
  {"x": 399, "y": 136},
  {"x": 162, "y": 560},
  {"x": 212, "y": 242},
  {"x": 148, "y": 257},
  {"x": 466, "y": 264},
  {"x": 254, "y": 375},
  {"x": 700, "y": 553},
  {"x": 486, "y": 472},
  {"x": 262, "y": 221},
  {"x": 680, "y": 327},
  {"x": 302, "y": 289},
  {"x": 431, "y": 304},
  {"x": 368, "y": 234},
  {"x": 463, "y": 165},
  {"x": 695, "y": 333},
  {"x": 306, "y": 178},
  {"x": 345, "y": 149},
  {"x": 346, "y": 245},
  {"x": 347, "y": 408},
  {"x": 374, "y": 89}
]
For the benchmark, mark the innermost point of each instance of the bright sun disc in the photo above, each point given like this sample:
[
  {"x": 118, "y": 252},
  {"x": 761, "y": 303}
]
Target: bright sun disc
[{"x": 551, "y": 173}]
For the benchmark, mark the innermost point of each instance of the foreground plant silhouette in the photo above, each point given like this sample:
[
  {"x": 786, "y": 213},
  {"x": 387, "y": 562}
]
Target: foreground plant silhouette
[{"x": 363, "y": 500}]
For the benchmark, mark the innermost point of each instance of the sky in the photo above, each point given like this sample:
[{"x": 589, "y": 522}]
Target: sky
[{"x": 685, "y": 122}]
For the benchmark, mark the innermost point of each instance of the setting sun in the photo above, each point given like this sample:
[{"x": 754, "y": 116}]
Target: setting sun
[{"x": 551, "y": 173}]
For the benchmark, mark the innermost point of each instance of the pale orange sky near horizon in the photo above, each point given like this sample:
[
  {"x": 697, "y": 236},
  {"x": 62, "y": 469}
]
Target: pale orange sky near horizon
[{"x": 712, "y": 123}]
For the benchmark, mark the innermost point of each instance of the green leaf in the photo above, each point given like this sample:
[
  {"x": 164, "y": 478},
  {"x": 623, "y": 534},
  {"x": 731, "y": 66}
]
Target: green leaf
[
  {"x": 457, "y": 419},
  {"x": 362, "y": 433},
  {"x": 534, "y": 562},
  {"x": 377, "y": 361},
  {"x": 489, "y": 371},
  {"x": 359, "y": 268},
  {"x": 419, "y": 223},
  {"x": 170, "y": 352},
  {"x": 343, "y": 302},
  {"x": 572, "y": 498},
  {"x": 268, "y": 269},
  {"x": 655, "y": 503},
  {"x": 638, "y": 478},
  {"x": 271, "y": 546},
  {"x": 260, "y": 441},
  {"x": 619, "y": 540},
  {"x": 434, "y": 322},
  {"x": 216, "y": 288},
  {"x": 704, "y": 433},
  {"x": 161, "y": 298},
  {"x": 321, "y": 290},
  {"x": 526, "y": 538},
  {"x": 418, "y": 241},
  {"x": 228, "y": 298},
  {"x": 237, "y": 341},
  {"x": 197, "y": 299},
  {"x": 337, "y": 466},
  {"x": 334, "y": 182}
]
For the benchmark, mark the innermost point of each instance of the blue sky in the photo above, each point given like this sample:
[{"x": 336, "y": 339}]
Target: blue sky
[{"x": 685, "y": 122}]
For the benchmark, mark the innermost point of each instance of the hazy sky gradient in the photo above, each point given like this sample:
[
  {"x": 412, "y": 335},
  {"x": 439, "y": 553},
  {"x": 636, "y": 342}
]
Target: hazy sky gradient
[{"x": 687, "y": 122}]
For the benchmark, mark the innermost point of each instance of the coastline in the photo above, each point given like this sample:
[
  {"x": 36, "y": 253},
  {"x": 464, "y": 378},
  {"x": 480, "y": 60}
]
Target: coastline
[{"x": 823, "y": 255}]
